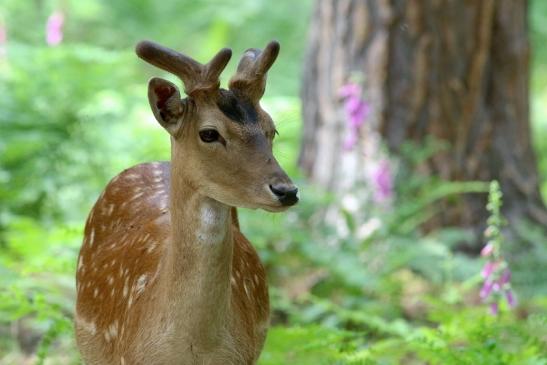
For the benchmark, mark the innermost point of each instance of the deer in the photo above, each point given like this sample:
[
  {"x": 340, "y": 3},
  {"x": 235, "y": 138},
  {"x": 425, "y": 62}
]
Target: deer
[{"x": 164, "y": 274}]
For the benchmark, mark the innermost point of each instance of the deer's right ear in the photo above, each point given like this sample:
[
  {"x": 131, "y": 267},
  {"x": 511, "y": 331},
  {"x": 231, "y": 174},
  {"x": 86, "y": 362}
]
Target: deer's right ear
[{"x": 164, "y": 98}]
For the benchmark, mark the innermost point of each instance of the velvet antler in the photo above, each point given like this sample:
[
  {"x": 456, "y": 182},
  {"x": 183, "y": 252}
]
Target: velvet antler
[
  {"x": 193, "y": 74},
  {"x": 250, "y": 78}
]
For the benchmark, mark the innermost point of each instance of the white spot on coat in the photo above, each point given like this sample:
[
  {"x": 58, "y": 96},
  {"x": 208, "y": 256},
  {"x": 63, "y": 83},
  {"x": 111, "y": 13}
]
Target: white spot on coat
[
  {"x": 91, "y": 237},
  {"x": 90, "y": 218},
  {"x": 113, "y": 329},
  {"x": 85, "y": 325},
  {"x": 110, "y": 209},
  {"x": 246, "y": 290},
  {"x": 80, "y": 263},
  {"x": 141, "y": 283},
  {"x": 151, "y": 247},
  {"x": 125, "y": 287}
]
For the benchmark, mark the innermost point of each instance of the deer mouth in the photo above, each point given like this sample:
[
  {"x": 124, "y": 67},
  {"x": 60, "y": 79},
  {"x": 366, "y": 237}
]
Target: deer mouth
[
  {"x": 287, "y": 194},
  {"x": 281, "y": 203}
]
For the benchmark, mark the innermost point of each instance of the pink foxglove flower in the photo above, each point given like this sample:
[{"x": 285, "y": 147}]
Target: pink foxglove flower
[
  {"x": 488, "y": 249},
  {"x": 505, "y": 277},
  {"x": 382, "y": 179},
  {"x": 350, "y": 89},
  {"x": 496, "y": 272},
  {"x": 3, "y": 40},
  {"x": 54, "y": 28},
  {"x": 488, "y": 269},
  {"x": 486, "y": 289},
  {"x": 511, "y": 300},
  {"x": 356, "y": 110}
]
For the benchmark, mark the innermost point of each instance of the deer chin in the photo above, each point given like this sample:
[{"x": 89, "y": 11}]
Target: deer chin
[
  {"x": 275, "y": 208},
  {"x": 270, "y": 205}
]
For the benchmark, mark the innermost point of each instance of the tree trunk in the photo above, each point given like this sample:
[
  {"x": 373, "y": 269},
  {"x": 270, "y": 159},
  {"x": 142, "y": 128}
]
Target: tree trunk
[{"x": 455, "y": 70}]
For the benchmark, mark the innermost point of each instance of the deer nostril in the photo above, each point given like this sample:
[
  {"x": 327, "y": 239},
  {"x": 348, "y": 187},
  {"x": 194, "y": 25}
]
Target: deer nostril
[
  {"x": 287, "y": 194},
  {"x": 277, "y": 190}
]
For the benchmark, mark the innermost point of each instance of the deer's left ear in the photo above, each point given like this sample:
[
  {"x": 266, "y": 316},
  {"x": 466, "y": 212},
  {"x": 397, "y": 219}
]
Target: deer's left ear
[{"x": 164, "y": 98}]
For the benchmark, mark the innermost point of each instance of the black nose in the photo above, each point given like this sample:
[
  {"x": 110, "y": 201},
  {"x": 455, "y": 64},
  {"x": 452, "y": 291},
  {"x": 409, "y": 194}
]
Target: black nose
[{"x": 287, "y": 194}]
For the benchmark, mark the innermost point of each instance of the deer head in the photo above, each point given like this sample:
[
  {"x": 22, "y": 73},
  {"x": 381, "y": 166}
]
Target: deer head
[{"x": 221, "y": 139}]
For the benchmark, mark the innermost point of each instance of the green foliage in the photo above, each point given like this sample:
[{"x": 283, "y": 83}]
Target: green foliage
[
  {"x": 47, "y": 109},
  {"x": 305, "y": 345},
  {"x": 466, "y": 336}
]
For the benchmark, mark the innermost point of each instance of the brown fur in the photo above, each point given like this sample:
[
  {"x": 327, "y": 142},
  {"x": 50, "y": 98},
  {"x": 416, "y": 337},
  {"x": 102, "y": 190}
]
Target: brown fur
[{"x": 164, "y": 275}]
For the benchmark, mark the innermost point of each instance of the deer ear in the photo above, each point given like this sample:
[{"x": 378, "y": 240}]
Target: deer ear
[{"x": 164, "y": 98}]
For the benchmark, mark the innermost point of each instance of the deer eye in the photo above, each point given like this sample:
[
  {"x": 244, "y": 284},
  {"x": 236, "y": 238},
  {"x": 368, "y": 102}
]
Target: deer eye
[{"x": 209, "y": 135}]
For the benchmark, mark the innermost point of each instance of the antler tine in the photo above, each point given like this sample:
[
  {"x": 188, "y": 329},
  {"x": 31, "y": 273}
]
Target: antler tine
[
  {"x": 193, "y": 74},
  {"x": 267, "y": 58},
  {"x": 215, "y": 67},
  {"x": 250, "y": 78},
  {"x": 169, "y": 60}
]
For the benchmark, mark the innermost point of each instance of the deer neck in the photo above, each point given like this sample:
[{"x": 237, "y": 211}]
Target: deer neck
[{"x": 199, "y": 261}]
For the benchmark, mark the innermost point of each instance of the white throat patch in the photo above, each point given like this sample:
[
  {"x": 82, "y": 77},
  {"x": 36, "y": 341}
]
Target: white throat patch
[{"x": 212, "y": 223}]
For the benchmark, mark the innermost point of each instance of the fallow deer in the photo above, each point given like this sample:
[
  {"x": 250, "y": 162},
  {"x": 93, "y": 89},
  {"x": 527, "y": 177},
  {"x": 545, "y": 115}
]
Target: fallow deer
[{"x": 164, "y": 274}]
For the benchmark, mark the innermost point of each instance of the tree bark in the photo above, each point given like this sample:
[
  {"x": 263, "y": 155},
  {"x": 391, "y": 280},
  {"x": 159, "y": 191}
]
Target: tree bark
[{"x": 455, "y": 70}]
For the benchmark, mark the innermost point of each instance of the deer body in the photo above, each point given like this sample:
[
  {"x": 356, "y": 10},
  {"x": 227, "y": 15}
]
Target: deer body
[{"x": 164, "y": 275}]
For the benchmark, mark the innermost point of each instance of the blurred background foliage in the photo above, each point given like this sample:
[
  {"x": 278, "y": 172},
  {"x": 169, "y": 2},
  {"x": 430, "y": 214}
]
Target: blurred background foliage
[{"x": 370, "y": 289}]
